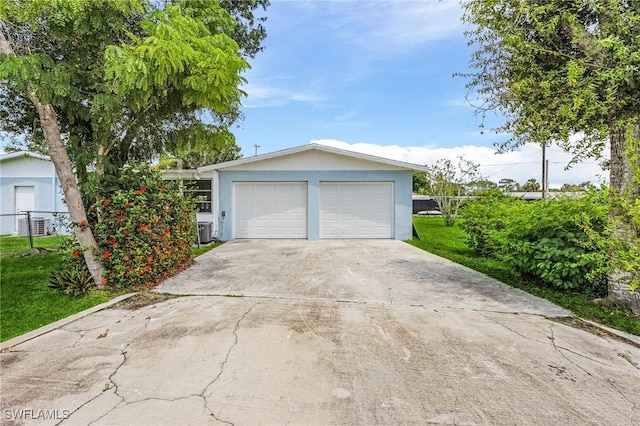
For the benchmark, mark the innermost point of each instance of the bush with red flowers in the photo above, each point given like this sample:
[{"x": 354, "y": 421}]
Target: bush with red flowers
[{"x": 144, "y": 230}]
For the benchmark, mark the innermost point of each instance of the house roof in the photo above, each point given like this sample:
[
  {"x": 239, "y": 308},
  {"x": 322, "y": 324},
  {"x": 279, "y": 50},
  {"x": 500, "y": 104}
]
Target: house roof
[
  {"x": 311, "y": 147},
  {"x": 18, "y": 154}
]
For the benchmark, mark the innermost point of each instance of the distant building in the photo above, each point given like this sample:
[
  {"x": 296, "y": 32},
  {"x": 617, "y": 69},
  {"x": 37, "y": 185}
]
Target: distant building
[{"x": 28, "y": 182}]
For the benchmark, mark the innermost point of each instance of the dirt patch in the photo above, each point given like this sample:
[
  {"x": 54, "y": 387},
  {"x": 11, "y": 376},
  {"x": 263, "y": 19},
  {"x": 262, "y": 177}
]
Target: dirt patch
[
  {"x": 583, "y": 325},
  {"x": 142, "y": 299},
  {"x": 7, "y": 360}
]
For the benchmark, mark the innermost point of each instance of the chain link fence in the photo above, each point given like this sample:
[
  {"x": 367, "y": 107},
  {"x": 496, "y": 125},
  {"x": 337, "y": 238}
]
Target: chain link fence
[{"x": 22, "y": 232}]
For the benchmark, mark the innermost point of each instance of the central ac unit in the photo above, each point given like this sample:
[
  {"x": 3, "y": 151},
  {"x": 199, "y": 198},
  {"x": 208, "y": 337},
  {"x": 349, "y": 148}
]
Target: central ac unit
[
  {"x": 205, "y": 232},
  {"x": 39, "y": 226}
]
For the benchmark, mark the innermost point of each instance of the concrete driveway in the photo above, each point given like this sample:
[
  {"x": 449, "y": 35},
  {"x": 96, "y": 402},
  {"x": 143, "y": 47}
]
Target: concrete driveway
[{"x": 328, "y": 332}]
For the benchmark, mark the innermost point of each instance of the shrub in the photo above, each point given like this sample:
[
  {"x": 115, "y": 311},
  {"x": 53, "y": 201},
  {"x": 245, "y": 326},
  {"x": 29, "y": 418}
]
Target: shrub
[
  {"x": 546, "y": 239},
  {"x": 144, "y": 229},
  {"x": 73, "y": 277},
  {"x": 487, "y": 220},
  {"x": 72, "y": 281}
]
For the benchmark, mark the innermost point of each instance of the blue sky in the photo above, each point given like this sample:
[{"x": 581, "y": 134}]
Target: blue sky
[{"x": 377, "y": 77}]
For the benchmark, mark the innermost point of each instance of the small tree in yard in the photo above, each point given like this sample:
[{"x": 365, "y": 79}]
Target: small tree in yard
[{"x": 450, "y": 183}]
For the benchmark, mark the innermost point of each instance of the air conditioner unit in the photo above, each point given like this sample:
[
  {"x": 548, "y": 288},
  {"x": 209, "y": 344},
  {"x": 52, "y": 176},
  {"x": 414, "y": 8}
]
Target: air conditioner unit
[
  {"x": 205, "y": 232},
  {"x": 39, "y": 226}
]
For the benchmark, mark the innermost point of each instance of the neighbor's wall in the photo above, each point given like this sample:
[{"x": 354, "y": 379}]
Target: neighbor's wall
[
  {"x": 402, "y": 194},
  {"x": 34, "y": 172}
]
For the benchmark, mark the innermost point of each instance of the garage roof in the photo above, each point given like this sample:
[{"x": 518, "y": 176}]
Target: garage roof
[
  {"x": 18, "y": 154},
  {"x": 310, "y": 147}
]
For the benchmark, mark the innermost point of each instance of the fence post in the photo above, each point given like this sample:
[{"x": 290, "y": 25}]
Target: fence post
[{"x": 29, "y": 230}]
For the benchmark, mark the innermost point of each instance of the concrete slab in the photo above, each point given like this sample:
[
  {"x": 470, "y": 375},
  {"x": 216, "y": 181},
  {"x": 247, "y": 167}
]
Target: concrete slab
[
  {"x": 378, "y": 356},
  {"x": 383, "y": 271}
]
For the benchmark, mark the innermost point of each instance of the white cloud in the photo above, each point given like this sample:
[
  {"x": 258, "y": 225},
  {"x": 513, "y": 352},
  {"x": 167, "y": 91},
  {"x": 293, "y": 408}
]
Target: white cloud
[
  {"x": 520, "y": 165},
  {"x": 394, "y": 26},
  {"x": 275, "y": 93}
]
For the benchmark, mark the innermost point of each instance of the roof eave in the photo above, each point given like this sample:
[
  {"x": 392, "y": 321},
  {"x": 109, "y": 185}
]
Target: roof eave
[{"x": 309, "y": 147}]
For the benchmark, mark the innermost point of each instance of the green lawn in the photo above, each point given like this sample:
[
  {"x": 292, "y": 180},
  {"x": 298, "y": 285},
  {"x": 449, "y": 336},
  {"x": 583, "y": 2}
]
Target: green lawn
[
  {"x": 450, "y": 243},
  {"x": 26, "y": 301},
  {"x": 19, "y": 244}
]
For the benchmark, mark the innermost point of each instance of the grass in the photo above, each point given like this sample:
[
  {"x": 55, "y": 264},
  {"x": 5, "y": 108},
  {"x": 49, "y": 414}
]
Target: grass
[
  {"x": 204, "y": 248},
  {"x": 26, "y": 301},
  {"x": 450, "y": 243},
  {"x": 18, "y": 244}
]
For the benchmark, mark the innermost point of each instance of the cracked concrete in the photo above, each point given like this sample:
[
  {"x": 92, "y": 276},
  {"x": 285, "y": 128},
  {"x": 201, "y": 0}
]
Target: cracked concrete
[{"x": 330, "y": 332}]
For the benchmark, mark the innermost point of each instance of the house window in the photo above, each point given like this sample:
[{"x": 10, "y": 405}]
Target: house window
[{"x": 201, "y": 191}]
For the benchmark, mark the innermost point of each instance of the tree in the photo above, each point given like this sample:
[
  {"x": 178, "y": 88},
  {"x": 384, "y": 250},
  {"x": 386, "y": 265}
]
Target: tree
[
  {"x": 144, "y": 78},
  {"x": 531, "y": 185},
  {"x": 565, "y": 71},
  {"x": 63, "y": 167},
  {"x": 508, "y": 185},
  {"x": 420, "y": 183},
  {"x": 450, "y": 184},
  {"x": 483, "y": 185},
  {"x": 119, "y": 80},
  {"x": 222, "y": 148}
]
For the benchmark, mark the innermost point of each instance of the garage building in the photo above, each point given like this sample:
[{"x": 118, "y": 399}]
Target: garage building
[{"x": 308, "y": 192}]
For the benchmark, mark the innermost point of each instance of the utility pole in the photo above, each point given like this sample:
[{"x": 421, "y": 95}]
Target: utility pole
[
  {"x": 255, "y": 149},
  {"x": 544, "y": 170}
]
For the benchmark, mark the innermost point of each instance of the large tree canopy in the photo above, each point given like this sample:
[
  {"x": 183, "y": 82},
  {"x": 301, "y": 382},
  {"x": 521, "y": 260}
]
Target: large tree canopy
[
  {"x": 101, "y": 82},
  {"x": 129, "y": 79},
  {"x": 566, "y": 71}
]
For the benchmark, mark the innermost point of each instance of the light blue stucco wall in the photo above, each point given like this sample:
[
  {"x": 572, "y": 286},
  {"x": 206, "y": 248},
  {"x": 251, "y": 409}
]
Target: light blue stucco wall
[
  {"x": 402, "y": 194},
  {"x": 48, "y": 196}
]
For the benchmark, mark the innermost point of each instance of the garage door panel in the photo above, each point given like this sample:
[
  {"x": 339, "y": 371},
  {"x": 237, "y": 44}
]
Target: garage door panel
[
  {"x": 356, "y": 210},
  {"x": 270, "y": 209}
]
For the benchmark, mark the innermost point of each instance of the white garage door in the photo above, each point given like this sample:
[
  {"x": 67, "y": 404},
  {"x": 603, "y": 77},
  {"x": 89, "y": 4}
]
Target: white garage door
[
  {"x": 270, "y": 209},
  {"x": 356, "y": 210}
]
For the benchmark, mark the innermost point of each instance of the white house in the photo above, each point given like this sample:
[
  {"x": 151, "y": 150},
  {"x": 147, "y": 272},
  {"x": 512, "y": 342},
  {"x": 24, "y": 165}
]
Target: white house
[
  {"x": 28, "y": 182},
  {"x": 308, "y": 192}
]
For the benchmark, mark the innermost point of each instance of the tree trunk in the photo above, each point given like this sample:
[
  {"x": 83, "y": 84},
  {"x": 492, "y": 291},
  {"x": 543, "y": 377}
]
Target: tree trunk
[
  {"x": 60, "y": 158},
  {"x": 623, "y": 185}
]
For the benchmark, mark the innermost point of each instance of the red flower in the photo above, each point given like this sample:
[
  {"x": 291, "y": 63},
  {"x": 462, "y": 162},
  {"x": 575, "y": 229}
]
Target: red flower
[
  {"x": 76, "y": 253},
  {"x": 105, "y": 203},
  {"x": 106, "y": 255},
  {"x": 127, "y": 205},
  {"x": 104, "y": 281}
]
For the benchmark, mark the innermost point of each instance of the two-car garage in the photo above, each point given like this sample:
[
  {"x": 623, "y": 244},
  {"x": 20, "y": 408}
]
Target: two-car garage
[
  {"x": 346, "y": 209},
  {"x": 310, "y": 192}
]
